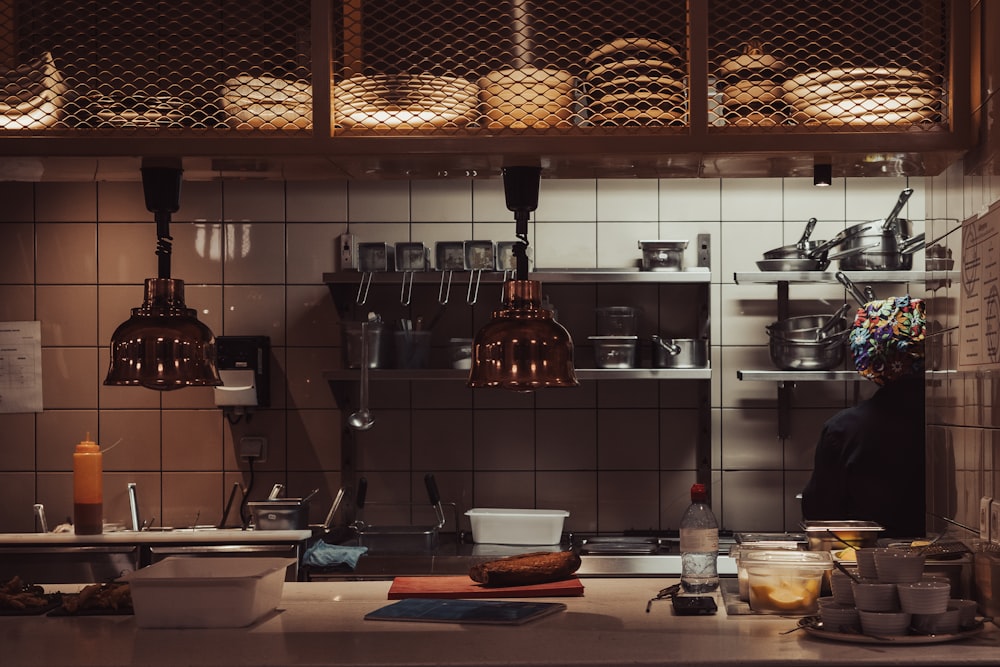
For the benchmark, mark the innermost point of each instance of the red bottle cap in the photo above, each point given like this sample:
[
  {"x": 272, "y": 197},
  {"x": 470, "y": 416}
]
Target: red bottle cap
[{"x": 698, "y": 493}]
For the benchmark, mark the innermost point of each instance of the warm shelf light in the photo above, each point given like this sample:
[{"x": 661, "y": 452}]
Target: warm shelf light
[
  {"x": 522, "y": 348},
  {"x": 163, "y": 345},
  {"x": 822, "y": 175}
]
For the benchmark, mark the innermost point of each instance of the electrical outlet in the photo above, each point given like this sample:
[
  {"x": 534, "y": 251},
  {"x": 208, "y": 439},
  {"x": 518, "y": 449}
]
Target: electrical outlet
[
  {"x": 347, "y": 252},
  {"x": 253, "y": 448},
  {"x": 985, "y": 518},
  {"x": 995, "y": 522}
]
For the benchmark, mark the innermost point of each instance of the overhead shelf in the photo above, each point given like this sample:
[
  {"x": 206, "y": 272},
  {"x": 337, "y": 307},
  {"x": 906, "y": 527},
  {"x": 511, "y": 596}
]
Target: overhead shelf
[
  {"x": 774, "y": 277},
  {"x": 796, "y": 376},
  {"x": 449, "y": 374},
  {"x": 689, "y": 276}
]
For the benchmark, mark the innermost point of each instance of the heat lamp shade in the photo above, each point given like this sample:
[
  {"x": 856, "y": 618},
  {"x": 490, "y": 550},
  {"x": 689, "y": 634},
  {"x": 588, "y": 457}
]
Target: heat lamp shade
[
  {"x": 522, "y": 348},
  {"x": 162, "y": 345}
]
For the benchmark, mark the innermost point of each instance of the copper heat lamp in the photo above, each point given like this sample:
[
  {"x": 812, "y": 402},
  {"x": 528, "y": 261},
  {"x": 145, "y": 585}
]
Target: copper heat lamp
[
  {"x": 163, "y": 345},
  {"x": 522, "y": 348}
]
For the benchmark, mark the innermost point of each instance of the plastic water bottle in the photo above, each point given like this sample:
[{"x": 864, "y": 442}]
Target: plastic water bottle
[{"x": 699, "y": 545}]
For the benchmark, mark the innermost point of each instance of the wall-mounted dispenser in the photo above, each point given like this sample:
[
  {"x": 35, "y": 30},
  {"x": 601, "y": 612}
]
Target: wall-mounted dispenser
[{"x": 244, "y": 364}]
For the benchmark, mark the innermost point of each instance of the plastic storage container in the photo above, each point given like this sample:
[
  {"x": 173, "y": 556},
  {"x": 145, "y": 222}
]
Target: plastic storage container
[
  {"x": 617, "y": 321},
  {"x": 217, "y": 592},
  {"x": 615, "y": 351},
  {"x": 514, "y": 526},
  {"x": 783, "y": 581}
]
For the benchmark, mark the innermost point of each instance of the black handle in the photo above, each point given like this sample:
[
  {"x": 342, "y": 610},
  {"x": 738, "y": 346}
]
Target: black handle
[
  {"x": 432, "y": 488},
  {"x": 359, "y": 499}
]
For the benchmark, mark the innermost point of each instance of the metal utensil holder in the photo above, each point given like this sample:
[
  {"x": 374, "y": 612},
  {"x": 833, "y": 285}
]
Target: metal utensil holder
[
  {"x": 450, "y": 257},
  {"x": 372, "y": 258},
  {"x": 411, "y": 256},
  {"x": 479, "y": 256},
  {"x": 506, "y": 261}
]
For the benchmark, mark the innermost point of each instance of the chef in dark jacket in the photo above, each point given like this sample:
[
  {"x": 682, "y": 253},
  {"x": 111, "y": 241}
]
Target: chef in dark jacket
[{"x": 869, "y": 462}]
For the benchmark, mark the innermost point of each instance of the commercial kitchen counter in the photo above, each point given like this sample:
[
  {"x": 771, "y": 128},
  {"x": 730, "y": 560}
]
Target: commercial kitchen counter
[
  {"x": 173, "y": 536},
  {"x": 321, "y": 624}
]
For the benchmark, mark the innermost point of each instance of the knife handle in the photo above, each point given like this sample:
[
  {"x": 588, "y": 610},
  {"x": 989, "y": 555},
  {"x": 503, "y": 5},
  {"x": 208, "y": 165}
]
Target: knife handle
[
  {"x": 359, "y": 499},
  {"x": 432, "y": 488}
]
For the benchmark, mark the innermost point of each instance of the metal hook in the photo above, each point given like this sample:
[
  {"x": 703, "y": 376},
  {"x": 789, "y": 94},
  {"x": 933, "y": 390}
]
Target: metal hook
[
  {"x": 366, "y": 283},
  {"x": 406, "y": 288},
  {"x": 444, "y": 290},
  {"x": 472, "y": 295}
]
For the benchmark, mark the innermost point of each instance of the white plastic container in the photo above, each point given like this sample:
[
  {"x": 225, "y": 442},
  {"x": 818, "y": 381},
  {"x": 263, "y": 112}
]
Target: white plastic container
[
  {"x": 209, "y": 592},
  {"x": 514, "y": 526},
  {"x": 785, "y": 581}
]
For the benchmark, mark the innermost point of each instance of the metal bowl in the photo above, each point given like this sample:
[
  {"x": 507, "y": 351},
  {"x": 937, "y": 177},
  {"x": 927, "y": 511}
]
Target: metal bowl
[{"x": 800, "y": 355}]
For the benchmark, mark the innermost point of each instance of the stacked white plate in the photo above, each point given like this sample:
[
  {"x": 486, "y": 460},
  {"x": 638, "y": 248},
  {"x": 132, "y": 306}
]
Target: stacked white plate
[
  {"x": 267, "y": 103},
  {"x": 876, "y": 96},
  {"x": 404, "y": 101},
  {"x": 527, "y": 97},
  {"x": 751, "y": 89},
  {"x": 636, "y": 81},
  {"x": 31, "y": 95}
]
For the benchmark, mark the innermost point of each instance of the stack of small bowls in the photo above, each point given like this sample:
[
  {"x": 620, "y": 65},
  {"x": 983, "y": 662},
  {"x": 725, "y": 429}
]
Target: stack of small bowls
[{"x": 891, "y": 595}]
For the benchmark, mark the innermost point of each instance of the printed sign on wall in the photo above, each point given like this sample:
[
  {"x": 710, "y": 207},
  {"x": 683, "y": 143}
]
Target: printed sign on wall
[
  {"x": 979, "y": 331},
  {"x": 20, "y": 367}
]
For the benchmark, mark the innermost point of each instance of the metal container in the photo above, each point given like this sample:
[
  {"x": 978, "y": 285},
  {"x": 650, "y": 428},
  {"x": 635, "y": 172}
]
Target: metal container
[
  {"x": 379, "y": 344},
  {"x": 617, "y": 321},
  {"x": 806, "y": 327},
  {"x": 282, "y": 514},
  {"x": 663, "y": 255},
  {"x": 680, "y": 352},
  {"x": 835, "y": 535},
  {"x": 614, "y": 351}
]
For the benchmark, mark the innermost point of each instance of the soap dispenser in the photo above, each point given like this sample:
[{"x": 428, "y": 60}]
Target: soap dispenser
[{"x": 88, "y": 489}]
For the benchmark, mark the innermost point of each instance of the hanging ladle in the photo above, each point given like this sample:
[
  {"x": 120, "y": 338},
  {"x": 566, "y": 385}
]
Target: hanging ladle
[{"x": 362, "y": 419}]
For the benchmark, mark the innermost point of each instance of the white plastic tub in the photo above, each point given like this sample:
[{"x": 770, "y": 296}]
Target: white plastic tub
[
  {"x": 208, "y": 592},
  {"x": 514, "y": 526}
]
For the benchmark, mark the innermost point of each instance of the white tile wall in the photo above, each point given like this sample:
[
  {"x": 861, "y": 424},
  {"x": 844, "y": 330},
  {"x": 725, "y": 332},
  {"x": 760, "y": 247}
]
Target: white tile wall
[{"x": 617, "y": 455}]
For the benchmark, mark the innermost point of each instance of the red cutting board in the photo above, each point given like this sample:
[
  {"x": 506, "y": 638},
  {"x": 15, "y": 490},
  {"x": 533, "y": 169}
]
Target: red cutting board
[{"x": 461, "y": 586}]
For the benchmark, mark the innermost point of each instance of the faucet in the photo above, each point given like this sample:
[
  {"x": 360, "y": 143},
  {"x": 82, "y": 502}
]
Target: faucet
[{"x": 43, "y": 525}]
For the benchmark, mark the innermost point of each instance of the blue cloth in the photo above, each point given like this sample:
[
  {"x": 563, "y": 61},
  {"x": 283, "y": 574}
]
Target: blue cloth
[{"x": 322, "y": 554}]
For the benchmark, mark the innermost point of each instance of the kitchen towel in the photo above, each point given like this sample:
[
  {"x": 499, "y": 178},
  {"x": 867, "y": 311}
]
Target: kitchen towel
[{"x": 322, "y": 554}]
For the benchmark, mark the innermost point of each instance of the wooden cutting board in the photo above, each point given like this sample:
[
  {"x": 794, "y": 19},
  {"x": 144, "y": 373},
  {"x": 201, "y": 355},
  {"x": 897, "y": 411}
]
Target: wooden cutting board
[{"x": 461, "y": 586}]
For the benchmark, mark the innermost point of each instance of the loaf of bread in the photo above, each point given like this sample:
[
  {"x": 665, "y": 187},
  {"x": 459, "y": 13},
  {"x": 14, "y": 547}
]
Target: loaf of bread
[{"x": 526, "y": 569}]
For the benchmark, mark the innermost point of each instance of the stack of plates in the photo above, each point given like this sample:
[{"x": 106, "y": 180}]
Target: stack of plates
[
  {"x": 138, "y": 110},
  {"x": 751, "y": 88},
  {"x": 636, "y": 81},
  {"x": 31, "y": 95},
  {"x": 527, "y": 97},
  {"x": 267, "y": 102},
  {"x": 404, "y": 101},
  {"x": 862, "y": 96}
]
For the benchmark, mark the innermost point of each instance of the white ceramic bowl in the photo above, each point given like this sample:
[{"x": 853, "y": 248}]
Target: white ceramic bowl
[
  {"x": 882, "y": 623},
  {"x": 866, "y": 562},
  {"x": 838, "y": 617},
  {"x": 899, "y": 566},
  {"x": 924, "y": 597},
  {"x": 875, "y": 596},
  {"x": 945, "y": 623},
  {"x": 967, "y": 610},
  {"x": 841, "y": 587}
]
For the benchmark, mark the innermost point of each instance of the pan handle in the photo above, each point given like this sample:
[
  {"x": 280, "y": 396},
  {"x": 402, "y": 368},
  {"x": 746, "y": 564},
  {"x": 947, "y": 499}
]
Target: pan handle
[
  {"x": 435, "y": 498},
  {"x": 810, "y": 226},
  {"x": 858, "y": 295},
  {"x": 890, "y": 220}
]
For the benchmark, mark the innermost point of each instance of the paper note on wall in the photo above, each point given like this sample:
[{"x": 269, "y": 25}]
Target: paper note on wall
[
  {"x": 979, "y": 330},
  {"x": 20, "y": 367}
]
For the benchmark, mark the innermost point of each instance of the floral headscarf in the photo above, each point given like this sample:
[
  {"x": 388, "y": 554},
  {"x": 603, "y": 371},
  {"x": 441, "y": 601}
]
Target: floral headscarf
[{"x": 887, "y": 340}]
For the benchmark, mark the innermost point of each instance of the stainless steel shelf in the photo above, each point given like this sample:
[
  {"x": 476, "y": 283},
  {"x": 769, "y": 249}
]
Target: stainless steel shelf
[
  {"x": 768, "y": 277},
  {"x": 693, "y": 275},
  {"x": 796, "y": 376},
  {"x": 353, "y": 375}
]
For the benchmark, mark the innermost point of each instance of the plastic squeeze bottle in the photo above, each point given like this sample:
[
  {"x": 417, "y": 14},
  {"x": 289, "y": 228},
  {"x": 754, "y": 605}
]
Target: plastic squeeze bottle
[
  {"x": 88, "y": 489},
  {"x": 699, "y": 545}
]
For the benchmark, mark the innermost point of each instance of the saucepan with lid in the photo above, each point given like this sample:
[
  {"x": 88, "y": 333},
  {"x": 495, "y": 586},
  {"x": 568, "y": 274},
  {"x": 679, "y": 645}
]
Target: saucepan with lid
[{"x": 680, "y": 352}]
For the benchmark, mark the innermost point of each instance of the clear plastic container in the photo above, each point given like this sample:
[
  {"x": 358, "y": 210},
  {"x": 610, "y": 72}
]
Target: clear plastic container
[
  {"x": 617, "y": 321},
  {"x": 516, "y": 526},
  {"x": 784, "y": 581}
]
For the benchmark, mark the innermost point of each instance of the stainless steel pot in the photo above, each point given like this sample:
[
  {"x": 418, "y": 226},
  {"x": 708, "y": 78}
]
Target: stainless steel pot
[
  {"x": 680, "y": 352},
  {"x": 805, "y": 355},
  {"x": 663, "y": 255},
  {"x": 877, "y": 259},
  {"x": 886, "y": 242}
]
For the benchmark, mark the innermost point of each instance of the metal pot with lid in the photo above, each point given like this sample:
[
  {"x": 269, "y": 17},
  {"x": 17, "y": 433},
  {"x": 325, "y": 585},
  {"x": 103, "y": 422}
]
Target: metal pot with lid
[{"x": 680, "y": 352}]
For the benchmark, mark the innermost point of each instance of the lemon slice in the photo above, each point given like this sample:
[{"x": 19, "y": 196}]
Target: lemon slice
[{"x": 787, "y": 599}]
